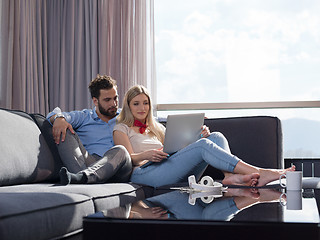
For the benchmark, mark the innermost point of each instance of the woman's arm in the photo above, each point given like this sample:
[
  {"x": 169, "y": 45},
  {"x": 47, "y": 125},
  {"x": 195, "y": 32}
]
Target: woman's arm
[{"x": 153, "y": 155}]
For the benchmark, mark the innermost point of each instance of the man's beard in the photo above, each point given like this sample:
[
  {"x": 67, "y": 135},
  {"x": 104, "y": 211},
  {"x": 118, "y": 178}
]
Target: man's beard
[{"x": 110, "y": 112}]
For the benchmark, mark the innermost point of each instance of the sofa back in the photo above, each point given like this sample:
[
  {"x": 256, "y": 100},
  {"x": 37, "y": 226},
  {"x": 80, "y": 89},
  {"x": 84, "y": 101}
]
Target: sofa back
[
  {"x": 256, "y": 140},
  {"x": 25, "y": 154}
]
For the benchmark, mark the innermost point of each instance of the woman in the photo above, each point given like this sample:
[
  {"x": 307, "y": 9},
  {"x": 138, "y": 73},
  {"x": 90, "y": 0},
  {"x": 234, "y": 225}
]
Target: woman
[{"x": 143, "y": 137}]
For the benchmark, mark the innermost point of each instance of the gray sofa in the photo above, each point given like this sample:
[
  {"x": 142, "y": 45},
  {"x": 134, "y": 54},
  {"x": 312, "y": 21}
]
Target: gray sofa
[
  {"x": 34, "y": 206},
  {"x": 32, "y": 203}
]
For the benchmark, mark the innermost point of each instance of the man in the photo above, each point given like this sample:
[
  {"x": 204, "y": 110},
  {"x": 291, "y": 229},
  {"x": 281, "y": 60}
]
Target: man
[{"x": 85, "y": 141}]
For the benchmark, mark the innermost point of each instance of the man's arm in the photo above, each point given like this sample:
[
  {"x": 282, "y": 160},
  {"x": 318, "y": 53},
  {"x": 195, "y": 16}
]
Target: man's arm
[
  {"x": 59, "y": 129},
  {"x": 59, "y": 125}
]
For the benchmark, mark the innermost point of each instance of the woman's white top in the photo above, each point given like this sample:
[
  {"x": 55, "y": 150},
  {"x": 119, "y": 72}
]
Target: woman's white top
[{"x": 139, "y": 142}]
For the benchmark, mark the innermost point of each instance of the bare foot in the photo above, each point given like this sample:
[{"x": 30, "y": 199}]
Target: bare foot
[
  {"x": 269, "y": 195},
  {"x": 240, "y": 179},
  {"x": 242, "y": 192},
  {"x": 269, "y": 175}
]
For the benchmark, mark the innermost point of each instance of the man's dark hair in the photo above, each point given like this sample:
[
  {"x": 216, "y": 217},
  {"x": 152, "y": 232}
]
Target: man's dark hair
[{"x": 101, "y": 82}]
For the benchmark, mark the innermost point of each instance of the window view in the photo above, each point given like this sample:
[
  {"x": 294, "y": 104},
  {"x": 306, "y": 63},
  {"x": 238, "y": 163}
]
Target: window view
[{"x": 243, "y": 51}]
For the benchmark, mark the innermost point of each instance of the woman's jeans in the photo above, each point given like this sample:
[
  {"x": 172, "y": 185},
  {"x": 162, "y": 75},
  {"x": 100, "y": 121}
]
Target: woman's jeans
[
  {"x": 177, "y": 204},
  {"x": 192, "y": 160}
]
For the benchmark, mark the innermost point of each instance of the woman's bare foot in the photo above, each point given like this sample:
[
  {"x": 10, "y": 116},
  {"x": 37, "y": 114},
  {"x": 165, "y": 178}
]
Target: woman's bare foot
[
  {"x": 242, "y": 192},
  {"x": 269, "y": 175},
  {"x": 269, "y": 195},
  {"x": 241, "y": 179}
]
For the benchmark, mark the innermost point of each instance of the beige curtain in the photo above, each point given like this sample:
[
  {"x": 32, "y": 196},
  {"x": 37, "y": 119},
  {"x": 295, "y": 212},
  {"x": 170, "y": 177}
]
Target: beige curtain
[
  {"x": 24, "y": 80},
  {"x": 51, "y": 49}
]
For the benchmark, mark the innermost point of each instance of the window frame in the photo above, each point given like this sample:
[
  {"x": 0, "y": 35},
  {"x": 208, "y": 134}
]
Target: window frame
[{"x": 237, "y": 105}]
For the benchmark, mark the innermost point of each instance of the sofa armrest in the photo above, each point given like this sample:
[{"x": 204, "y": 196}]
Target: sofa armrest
[{"x": 255, "y": 140}]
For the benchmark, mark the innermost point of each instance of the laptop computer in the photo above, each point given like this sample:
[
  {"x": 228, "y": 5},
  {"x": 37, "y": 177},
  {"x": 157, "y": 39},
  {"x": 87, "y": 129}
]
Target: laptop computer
[{"x": 181, "y": 130}]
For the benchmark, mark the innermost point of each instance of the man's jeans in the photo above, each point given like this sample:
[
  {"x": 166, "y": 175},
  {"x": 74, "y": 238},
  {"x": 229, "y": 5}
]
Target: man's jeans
[{"x": 114, "y": 166}]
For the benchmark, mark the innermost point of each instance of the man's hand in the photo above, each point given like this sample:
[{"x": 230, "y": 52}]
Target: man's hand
[{"x": 59, "y": 129}]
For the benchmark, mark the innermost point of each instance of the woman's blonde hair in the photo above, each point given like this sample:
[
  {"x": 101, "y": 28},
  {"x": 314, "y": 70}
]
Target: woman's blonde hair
[{"x": 127, "y": 118}]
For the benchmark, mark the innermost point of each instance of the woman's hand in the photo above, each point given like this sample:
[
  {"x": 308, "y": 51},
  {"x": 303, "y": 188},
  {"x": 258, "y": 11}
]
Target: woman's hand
[
  {"x": 139, "y": 210},
  {"x": 155, "y": 155},
  {"x": 205, "y": 131}
]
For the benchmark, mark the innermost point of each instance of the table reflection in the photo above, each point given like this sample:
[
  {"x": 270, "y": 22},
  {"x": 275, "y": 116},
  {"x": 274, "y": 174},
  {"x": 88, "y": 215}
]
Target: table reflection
[
  {"x": 170, "y": 212},
  {"x": 176, "y": 205}
]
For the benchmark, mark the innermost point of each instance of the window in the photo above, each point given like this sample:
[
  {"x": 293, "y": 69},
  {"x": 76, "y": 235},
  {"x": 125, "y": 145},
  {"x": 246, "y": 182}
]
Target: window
[{"x": 214, "y": 51}]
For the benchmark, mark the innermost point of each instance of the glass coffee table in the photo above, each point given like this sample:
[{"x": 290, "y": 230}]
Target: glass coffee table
[{"x": 173, "y": 212}]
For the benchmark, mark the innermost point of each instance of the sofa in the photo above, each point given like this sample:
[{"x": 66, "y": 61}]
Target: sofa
[{"x": 33, "y": 205}]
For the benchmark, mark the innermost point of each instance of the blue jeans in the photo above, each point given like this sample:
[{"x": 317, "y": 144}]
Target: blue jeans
[
  {"x": 221, "y": 209},
  {"x": 192, "y": 160}
]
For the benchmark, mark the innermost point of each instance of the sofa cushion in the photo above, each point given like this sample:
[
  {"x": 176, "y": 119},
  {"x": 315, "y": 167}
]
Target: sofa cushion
[
  {"x": 109, "y": 195},
  {"x": 25, "y": 155},
  {"x": 51, "y": 210},
  {"x": 104, "y": 196},
  {"x": 42, "y": 215}
]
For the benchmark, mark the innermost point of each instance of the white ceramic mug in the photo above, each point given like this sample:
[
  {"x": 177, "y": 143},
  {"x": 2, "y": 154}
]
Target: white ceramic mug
[
  {"x": 293, "y": 180},
  {"x": 293, "y": 200}
]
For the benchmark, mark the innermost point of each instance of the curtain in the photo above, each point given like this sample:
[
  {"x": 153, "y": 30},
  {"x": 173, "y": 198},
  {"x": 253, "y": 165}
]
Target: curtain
[
  {"x": 24, "y": 79},
  {"x": 53, "y": 49}
]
